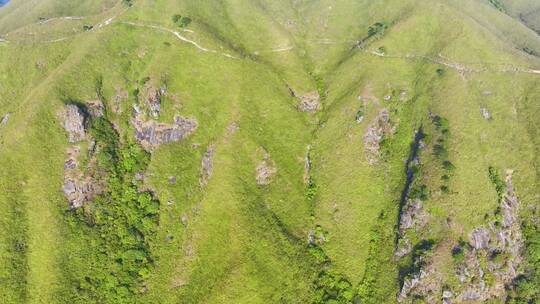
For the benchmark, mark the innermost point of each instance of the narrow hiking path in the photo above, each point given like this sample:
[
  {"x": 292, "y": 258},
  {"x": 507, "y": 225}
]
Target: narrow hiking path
[
  {"x": 456, "y": 65},
  {"x": 179, "y": 36},
  {"x": 110, "y": 21},
  {"x": 61, "y": 18},
  {"x": 99, "y": 25},
  {"x": 460, "y": 67}
]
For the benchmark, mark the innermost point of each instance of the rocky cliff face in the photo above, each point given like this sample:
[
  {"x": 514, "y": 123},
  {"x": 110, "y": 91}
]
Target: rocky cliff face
[
  {"x": 81, "y": 184},
  {"x": 485, "y": 266},
  {"x": 493, "y": 256},
  {"x": 375, "y": 133},
  {"x": 151, "y": 134},
  {"x": 74, "y": 123}
]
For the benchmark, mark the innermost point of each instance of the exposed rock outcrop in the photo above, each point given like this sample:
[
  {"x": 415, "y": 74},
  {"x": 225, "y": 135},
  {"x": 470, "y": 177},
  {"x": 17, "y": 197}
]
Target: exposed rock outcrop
[
  {"x": 121, "y": 95},
  {"x": 500, "y": 245},
  {"x": 151, "y": 134},
  {"x": 307, "y": 165},
  {"x": 479, "y": 238},
  {"x": 265, "y": 171},
  {"x": 207, "y": 165},
  {"x": 74, "y": 123},
  {"x": 412, "y": 215},
  {"x": 5, "y": 119},
  {"x": 376, "y": 131},
  {"x": 424, "y": 284},
  {"x": 485, "y": 113},
  {"x": 403, "y": 248},
  {"x": 152, "y": 97},
  {"x": 310, "y": 102},
  {"x": 148, "y": 131},
  {"x": 95, "y": 108},
  {"x": 78, "y": 187}
]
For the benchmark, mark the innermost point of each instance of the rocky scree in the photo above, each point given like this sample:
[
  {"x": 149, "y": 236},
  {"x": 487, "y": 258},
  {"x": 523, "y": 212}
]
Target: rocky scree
[
  {"x": 265, "y": 171},
  {"x": 310, "y": 102},
  {"x": 375, "y": 133},
  {"x": 74, "y": 123},
  {"x": 150, "y": 133},
  {"x": 207, "y": 166},
  {"x": 493, "y": 255},
  {"x": 80, "y": 185}
]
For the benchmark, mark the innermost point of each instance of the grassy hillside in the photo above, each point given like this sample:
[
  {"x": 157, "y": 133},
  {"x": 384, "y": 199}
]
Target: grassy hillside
[{"x": 266, "y": 201}]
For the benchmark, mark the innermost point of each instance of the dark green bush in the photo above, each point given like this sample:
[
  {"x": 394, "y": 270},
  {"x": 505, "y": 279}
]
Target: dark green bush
[
  {"x": 441, "y": 71},
  {"x": 498, "y": 5},
  {"x": 419, "y": 192},
  {"x": 181, "y": 21},
  {"x": 447, "y": 165},
  {"x": 119, "y": 224},
  {"x": 497, "y": 182},
  {"x": 445, "y": 189},
  {"x": 377, "y": 29}
]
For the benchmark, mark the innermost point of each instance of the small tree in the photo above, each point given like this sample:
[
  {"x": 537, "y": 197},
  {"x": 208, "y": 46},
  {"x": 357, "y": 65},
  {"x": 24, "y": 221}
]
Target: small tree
[
  {"x": 176, "y": 18},
  {"x": 185, "y": 21},
  {"x": 181, "y": 21},
  {"x": 377, "y": 29}
]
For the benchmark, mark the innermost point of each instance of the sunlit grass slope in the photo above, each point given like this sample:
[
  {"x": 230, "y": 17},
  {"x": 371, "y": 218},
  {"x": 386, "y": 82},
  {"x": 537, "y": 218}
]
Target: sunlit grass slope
[{"x": 232, "y": 69}]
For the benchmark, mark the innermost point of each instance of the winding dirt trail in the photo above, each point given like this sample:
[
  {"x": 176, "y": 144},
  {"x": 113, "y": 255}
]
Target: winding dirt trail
[
  {"x": 99, "y": 25},
  {"x": 61, "y": 18},
  {"x": 462, "y": 68},
  {"x": 179, "y": 36}
]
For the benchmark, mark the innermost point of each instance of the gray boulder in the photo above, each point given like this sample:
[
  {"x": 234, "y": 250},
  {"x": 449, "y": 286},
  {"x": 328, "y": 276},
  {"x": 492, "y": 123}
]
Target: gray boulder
[
  {"x": 310, "y": 102},
  {"x": 5, "y": 119},
  {"x": 151, "y": 134},
  {"x": 479, "y": 238},
  {"x": 207, "y": 165},
  {"x": 74, "y": 122},
  {"x": 376, "y": 131},
  {"x": 265, "y": 171}
]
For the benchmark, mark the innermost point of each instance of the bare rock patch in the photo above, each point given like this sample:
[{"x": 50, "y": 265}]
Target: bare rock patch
[
  {"x": 74, "y": 123},
  {"x": 485, "y": 113},
  {"x": 376, "y": 131},
  {"x": 5, "y": 119},
  {"x": 207, "y": 165},
  {"x": 503, "y": 240},
  {"x": 150, "y": 134},
  {"x": 265, "y": 171},
  {"x": 79, "y": 188},
  {"x": 310, "y": 102}
]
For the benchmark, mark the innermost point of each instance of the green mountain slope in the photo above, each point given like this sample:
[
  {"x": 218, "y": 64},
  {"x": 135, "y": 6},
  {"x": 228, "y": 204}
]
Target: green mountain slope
[{"x": 249, "y": 151}]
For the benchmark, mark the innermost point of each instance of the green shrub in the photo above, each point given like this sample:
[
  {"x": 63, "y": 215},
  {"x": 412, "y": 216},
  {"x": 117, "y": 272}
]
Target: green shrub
[
  {"x": 498, "y": 5},
  {"x": 441, "y": 71},
  {"x": 181, "y": 21},
  {"x": 377, "y": 29},
  {"x": 118, "y": 225},
  {"x": 419, "y": 192},
  {"x": 525, "y": 288},
  {"x": 497, "y": 182},
  {"x": 458, "y": 254},
  {"x": 447, "y": 165},
  {"x": 311, "y": 190}
]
